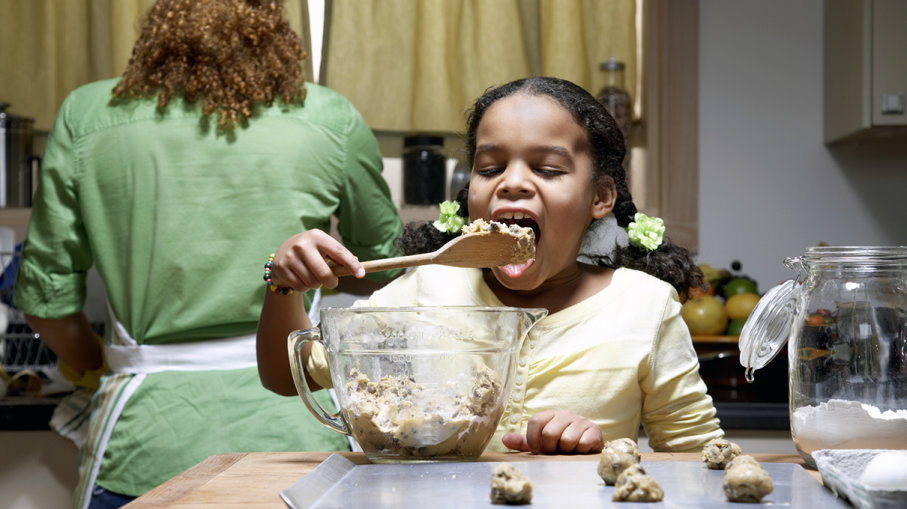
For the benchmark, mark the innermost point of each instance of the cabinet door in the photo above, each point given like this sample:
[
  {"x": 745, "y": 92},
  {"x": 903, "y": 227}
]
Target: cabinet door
[{"x": 889, "y": 59}]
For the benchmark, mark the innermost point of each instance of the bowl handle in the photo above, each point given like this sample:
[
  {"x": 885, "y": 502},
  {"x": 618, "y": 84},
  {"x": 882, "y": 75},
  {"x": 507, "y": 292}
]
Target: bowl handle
[{"x": 295, "y": 341}]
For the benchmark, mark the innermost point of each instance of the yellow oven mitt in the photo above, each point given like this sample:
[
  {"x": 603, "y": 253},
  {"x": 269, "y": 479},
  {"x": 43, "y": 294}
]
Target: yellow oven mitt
[{"x": 91, "y": 379}]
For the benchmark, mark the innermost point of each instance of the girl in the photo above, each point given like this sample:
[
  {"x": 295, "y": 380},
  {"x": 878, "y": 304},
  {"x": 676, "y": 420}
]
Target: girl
[{"x": 613, "y": 353}]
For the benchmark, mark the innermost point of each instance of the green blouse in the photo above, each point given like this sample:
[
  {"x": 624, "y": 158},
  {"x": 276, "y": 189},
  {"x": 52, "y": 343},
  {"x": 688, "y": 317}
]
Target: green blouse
[{"x": 179, "y": 218}]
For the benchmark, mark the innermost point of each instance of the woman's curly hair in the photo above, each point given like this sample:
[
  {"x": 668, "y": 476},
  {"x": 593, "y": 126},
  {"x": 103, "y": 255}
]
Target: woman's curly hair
[
  {"x": 670, "y": 262},
  {"x": 232, "y": 54}
]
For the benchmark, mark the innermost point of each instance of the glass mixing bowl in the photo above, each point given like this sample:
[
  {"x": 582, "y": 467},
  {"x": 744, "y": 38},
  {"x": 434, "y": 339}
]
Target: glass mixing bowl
[{"x": 419, "y": 383}]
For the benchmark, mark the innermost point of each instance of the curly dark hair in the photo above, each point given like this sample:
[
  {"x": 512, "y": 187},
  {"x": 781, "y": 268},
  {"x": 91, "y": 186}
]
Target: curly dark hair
[
  {"x": 233, "y": 54},
  {"x": 670, "y": 263}
]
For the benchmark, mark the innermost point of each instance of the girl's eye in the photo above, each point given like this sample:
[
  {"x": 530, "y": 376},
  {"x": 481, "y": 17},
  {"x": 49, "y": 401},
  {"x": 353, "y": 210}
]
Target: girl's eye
[
  {"x": 549, "y": 172},
  {"x": 487, "y": 172}
]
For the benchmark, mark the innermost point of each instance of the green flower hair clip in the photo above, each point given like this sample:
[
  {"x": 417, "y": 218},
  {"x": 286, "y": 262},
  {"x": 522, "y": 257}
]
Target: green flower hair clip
[
  {"x": 449, "y": 221},
  {"x": 646, "y": 232}
]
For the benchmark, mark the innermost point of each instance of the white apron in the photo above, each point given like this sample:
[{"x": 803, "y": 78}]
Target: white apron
[{"x": 129, "y": 362}]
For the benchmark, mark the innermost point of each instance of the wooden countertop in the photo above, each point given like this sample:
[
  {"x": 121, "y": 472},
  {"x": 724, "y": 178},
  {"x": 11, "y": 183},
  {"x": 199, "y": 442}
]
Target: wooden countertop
[{"x": 254, "y": 480}]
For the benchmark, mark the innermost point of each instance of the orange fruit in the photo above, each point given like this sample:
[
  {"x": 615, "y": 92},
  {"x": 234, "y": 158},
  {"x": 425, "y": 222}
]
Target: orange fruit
[
  {"x": 741, "y": 305},
  {"x": 696, "y": 291},
  {"x": 815, "y": 320},
  {"x": 704, "y": 314}
]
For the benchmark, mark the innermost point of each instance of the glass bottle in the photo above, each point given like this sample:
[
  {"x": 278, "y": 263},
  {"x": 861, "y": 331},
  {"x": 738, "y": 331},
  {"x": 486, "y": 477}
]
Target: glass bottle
[
  {"x": 845, "y": 318},
  {"x": 424, "y": 170},
  {"x": 617, "y": 100}
]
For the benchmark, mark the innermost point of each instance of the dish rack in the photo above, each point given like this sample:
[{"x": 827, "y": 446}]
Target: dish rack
[
  {"x": 21, "y": 348},
  {"x": 27, "y": 365}
]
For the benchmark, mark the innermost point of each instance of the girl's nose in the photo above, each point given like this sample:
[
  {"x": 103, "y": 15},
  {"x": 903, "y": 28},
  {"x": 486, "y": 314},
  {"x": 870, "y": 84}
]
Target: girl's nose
[{"x": 516, "y": 181}]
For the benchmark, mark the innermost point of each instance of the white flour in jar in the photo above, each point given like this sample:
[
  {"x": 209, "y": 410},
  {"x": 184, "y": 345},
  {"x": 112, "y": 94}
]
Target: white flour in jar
[{"x": 843, "y": 424}]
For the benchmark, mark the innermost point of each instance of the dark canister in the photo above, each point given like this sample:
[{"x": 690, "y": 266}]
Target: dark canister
[
  {"x": 423, "y": 170},
  {"x": 16, "y": 159}
]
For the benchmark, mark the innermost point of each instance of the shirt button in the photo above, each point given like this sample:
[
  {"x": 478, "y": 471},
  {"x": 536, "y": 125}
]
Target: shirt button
[
  {"x": 519, "y": 380},
  {"x": 517, "y": 396},
  {"x": 522, "y": 361},
  {"x": 532, "y": 344},
  {"x": 514, "y": 418}
]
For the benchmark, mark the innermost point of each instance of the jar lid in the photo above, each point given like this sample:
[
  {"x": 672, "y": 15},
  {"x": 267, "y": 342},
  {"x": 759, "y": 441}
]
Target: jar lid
[
  {"x": 423, "y": 139},
  {"x": 856, "y": 255},
  {"x": 612, "y": 64},
  {"x": 768, "y": 327}
]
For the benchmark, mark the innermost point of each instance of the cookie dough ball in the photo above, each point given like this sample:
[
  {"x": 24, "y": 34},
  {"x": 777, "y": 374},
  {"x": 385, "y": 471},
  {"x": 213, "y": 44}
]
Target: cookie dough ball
[
  {"x": 615, "y": 457},
  {"x": 746, "y": 481},
  {"x": 743, "y": 459},
  {"x": 510, "y": 486},
  {"x": 633, "y": 485},
  {"x": 717, "y": 453},
  {"x": 614, "y": 461},
  {"x": 627, "y": 445}
]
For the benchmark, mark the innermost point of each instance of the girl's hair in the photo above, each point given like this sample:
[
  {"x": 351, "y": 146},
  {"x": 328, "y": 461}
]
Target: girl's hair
[
  {"x": 233, "y": 54},
  {"x": 670, "y": 263}
]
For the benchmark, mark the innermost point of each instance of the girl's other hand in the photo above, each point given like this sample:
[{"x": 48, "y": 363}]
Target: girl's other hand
[
  {"x": 301, "y": 262},
  {"x": 557, "y": 432}
]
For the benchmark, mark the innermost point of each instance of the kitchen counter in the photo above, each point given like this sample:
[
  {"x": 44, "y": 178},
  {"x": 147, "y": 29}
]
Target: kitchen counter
[{"x": 254, "y": 480}]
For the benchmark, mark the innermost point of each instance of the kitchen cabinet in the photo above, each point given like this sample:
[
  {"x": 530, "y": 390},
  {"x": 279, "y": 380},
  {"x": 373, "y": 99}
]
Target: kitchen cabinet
[{"x": 865, "y": 70}]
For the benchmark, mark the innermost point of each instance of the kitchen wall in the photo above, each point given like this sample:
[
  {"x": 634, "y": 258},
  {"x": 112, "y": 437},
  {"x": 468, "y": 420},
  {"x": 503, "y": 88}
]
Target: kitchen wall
[{"x": 768, "y": 186}]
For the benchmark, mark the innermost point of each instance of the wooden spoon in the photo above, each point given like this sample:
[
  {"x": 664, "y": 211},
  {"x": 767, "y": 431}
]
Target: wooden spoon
[{"x": 475, "y": 250}]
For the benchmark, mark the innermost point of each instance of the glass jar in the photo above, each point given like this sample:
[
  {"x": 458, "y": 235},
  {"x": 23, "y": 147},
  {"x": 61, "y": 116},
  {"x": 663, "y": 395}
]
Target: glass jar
[
  {"x": 18, "y": 164},
  {"x": 424, "y": 170},
  {"x": 617, "y": 101},
  {"x": 845, "y": 315}
]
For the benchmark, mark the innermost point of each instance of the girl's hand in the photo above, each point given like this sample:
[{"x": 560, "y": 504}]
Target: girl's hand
[
  {"x": 557, "y": 431},
  {"x": 301, "y": 262}
]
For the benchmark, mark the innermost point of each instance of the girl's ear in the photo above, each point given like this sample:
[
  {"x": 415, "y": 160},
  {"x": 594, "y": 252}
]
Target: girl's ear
[{"x": 605, "y": 197}]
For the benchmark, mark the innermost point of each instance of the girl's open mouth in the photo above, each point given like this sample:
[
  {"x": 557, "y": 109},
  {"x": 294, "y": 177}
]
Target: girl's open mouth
[{"x": 523, "y": 220}]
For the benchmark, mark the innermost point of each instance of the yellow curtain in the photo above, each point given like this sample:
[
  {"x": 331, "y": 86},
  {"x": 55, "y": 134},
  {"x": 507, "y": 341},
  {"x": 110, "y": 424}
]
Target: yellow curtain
[
  {"x": 417, "y": 65},
  {"x": 50, "y": 47},
  {"x": 578, "y": 35},
  {"x": 414, "y": 65}
]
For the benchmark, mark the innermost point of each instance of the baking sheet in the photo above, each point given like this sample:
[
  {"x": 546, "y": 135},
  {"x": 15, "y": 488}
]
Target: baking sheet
[{"x": 339, "y": 483}]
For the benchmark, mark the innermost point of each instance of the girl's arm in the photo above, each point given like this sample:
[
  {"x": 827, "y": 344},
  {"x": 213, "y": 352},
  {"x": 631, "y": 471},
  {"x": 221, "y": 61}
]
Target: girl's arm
[
  {"x": 677, "y": 411},
  {"x": 300, "y": 263}
]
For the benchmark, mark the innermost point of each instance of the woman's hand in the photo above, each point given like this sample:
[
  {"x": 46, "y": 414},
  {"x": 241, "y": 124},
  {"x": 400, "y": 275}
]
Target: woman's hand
[
  {"x": 557, "y": 432},
  {"x": 301, "y": 262}
]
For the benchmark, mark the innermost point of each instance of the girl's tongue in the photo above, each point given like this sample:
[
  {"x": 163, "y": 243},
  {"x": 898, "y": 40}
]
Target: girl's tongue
[{"x": 514, "y": 270}]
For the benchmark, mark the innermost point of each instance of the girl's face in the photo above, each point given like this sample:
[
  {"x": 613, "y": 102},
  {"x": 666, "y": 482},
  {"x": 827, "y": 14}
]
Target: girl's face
[{"x": 533, "y": 167}]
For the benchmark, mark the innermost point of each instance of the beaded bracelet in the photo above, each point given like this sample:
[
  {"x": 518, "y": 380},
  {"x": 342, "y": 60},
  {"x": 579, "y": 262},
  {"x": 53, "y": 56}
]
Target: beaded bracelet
[{"x": 283, "y": 290}]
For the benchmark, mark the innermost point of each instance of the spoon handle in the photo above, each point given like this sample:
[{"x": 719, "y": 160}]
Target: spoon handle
[{"x": 400, "y": 262}]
